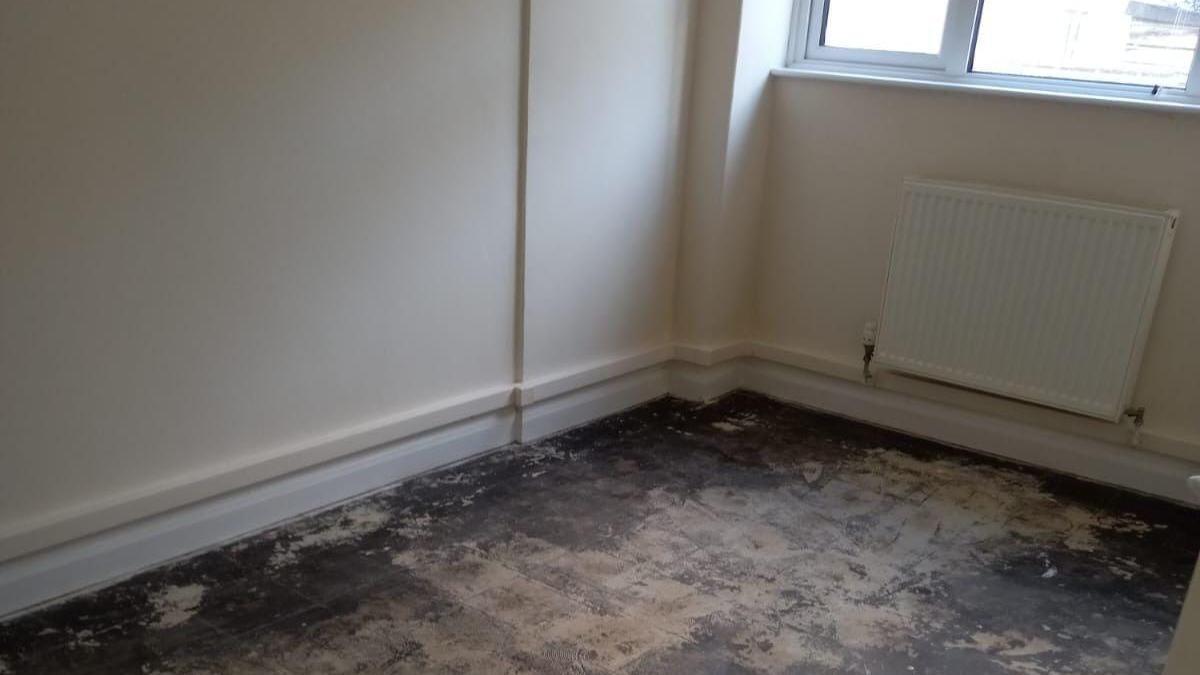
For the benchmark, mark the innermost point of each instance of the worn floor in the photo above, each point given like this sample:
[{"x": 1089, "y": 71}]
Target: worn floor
[{"x": 736, "y": 537}]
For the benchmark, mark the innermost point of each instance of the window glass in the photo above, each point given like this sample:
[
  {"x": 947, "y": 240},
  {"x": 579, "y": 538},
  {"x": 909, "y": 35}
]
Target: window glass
[
  {"x": 913, "y": 26},
  {"x": 1148, "y": 42}
]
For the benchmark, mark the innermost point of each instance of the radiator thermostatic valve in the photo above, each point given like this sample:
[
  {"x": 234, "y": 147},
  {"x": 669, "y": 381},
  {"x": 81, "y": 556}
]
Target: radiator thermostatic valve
[
  {"x": 869, "y": 331},
  {"x": 1138, "y": 415}
]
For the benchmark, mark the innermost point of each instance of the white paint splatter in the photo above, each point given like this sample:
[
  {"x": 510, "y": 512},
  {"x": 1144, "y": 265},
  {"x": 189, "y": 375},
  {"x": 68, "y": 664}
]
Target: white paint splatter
[
  {"x": 745, "y": 420},
  {"x": 352, "y": 523},
  {"x": 468, "y": 500},
  {"x": 452, "y": 479},
  {"x": 1011, "y": 650},
  {"x": 1009, "y": 644},
  {"x": 83, "y": 638},
  {"x": 1121, "y": 572},
  {"x": 174, "y": 605},
  {"x": 543, "y": 452},
  {"x": 414, "y": 527},
  {"x": 812, "y": 471}
]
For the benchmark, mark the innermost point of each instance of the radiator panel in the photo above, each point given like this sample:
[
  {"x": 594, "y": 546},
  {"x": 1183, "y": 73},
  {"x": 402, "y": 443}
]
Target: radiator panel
[{"x": 1032, "y": 297}]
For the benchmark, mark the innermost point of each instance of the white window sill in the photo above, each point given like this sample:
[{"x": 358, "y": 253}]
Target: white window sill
[{"x": 999, "y": 86}]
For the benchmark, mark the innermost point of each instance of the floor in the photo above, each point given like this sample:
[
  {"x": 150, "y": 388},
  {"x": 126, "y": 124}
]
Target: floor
[{"x": 740, "y": 536}]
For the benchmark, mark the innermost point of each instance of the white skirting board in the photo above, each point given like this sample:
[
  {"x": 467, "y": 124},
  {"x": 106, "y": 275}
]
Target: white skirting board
[
  {"x": 1095, "y": 460},
  {"x": 701, "y": 383},
  {"x": 254, "y": 468},
  {"x": 574, "y": 408},
  {"x": 61, "y": 570},
  {"x": 546, "y": 407},
  {"x": 125, "y": 550}
]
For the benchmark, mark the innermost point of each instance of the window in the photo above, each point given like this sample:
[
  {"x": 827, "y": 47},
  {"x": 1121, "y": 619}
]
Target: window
[
  {"x": 872, "y": 24},
  {"x": 1147, "y": 43},
  {"x": 1119, "y": 49}
]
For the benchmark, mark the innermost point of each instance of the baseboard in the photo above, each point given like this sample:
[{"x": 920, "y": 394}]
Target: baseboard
[
  {"x": 553, "y": 403},
  {"x": 1152, "y": 440},
  {"x": 549, "y": 386},
  {"x": 87, "y": 518},
  {"x": 348, "y": 465},
  {"x": 119, "y": 552},
  {"x": 592, "y": 402},
  {"x": 711, "y": 356},
  {"x": 1123, "y": 466},
  {"x": 84, "y": 550},
  {"x": 701, "y": 383}
]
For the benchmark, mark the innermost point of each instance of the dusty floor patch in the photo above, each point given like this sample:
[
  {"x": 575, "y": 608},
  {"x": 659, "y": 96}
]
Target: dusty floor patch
[
  {"x": 737, "y": 536},
  {"x": 174, "y": 605}
]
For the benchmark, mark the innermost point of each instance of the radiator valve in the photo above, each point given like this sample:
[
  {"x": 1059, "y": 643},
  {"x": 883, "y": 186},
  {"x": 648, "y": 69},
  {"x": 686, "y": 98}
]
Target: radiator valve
[
  {"x": 868, "y": 349},
  {"x": 1138, "y": 415}
]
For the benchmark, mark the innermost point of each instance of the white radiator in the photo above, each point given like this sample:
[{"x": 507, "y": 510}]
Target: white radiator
[{"x": 1038, "y": 298}]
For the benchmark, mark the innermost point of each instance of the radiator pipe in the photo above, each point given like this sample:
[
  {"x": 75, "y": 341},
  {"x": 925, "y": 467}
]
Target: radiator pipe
[
  {"x": 868, "y": 350},
  {"x": 1138, "y": 415}
]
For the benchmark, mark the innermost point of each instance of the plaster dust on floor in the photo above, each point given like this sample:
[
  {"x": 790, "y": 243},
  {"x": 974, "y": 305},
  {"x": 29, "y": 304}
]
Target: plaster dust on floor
[
  {"x": 358, "y": 521},
  {"x": 176, "y": 604},
  {"x": 739, "y": 536}
]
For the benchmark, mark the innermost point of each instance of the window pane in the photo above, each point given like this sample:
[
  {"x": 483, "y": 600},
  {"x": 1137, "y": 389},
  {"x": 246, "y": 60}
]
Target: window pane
[
  {"x": 913, "y": 26},
  {"x": 1148, "y": 42}
]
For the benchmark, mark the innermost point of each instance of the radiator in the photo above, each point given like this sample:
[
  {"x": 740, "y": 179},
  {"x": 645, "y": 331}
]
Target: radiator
[{"x": 1038, "y": 298}]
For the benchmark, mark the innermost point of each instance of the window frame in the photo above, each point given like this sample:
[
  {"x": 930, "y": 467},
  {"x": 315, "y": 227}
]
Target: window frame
[{"x": 952, "y": 67}]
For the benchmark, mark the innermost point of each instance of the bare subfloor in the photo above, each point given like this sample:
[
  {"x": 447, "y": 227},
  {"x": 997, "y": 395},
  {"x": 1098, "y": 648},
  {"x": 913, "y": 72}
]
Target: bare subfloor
[{"x": 742, "y": 536}]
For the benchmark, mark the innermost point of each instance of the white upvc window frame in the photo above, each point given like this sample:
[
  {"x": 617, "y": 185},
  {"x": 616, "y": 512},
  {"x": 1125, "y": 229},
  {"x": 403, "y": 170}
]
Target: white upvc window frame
[{"x": 952, "y": 66}]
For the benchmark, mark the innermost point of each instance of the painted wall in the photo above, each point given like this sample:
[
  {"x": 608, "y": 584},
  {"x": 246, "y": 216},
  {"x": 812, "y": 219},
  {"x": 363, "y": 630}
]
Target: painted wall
[
  {"x": 738, "y": 44},
  {"x": 607, "y": 84},
  {"x": 702, "y": 318},
  {"x": 838, "y": 154},
  {"x": 228, "y": 228}
]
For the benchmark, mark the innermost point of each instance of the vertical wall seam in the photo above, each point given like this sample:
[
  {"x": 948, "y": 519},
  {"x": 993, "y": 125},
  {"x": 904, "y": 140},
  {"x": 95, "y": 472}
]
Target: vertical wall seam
[{"x": 522, "y": 190}]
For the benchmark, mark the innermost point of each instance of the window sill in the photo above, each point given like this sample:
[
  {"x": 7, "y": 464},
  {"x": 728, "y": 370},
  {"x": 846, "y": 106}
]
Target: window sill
[{"x": 984, "y": 85}]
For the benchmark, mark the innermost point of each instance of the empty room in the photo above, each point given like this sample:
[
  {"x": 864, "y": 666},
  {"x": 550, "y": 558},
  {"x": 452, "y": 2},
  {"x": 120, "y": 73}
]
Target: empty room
[{"x": 600, "y": 336}]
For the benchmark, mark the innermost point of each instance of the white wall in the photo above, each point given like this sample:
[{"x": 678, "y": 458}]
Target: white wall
[
  {"x": 243, "y": 238},
  {"x": 707, "y": 308},
  {"x": 607, "y": 81},
  {"x": 231, "y": 228},
  {"x": 738, "y": 43},
  {"x": 839, "y": 153}
]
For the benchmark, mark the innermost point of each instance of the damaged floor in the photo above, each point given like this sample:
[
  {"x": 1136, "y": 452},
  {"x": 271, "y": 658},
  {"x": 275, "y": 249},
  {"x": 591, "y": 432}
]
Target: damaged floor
[{"x": 741, "y": 536}]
